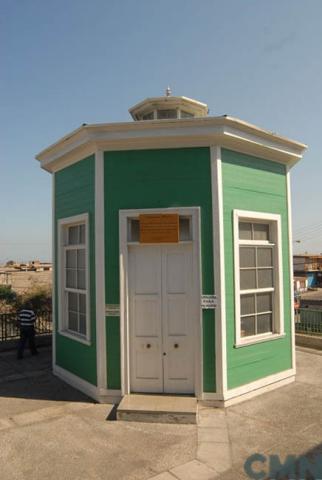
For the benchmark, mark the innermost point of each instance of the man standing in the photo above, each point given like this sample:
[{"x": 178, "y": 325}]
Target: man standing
[{"x": 27, "y": 320}]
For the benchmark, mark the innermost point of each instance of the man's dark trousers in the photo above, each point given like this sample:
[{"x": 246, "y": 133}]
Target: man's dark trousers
[{"x": 27, "y": 333}]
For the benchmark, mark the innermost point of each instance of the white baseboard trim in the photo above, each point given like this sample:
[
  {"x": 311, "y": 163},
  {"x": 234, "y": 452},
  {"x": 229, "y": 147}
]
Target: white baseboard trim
[
  {"x": 109, "y": 396},
  {"x": 76, "y": 382},
  {"x": 259, "y": 384},
  {"x": 231, "y": 397},
  {"x": 245, "y": 392},
  {"x": 209, "y": 396},
  {"x": 259, "y": 391},
  {"x": 100, "y": 395}
]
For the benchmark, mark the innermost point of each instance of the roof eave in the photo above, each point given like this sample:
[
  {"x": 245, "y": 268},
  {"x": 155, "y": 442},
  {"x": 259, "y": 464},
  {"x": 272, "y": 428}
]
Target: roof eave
[{"x": 226, "y": 131}]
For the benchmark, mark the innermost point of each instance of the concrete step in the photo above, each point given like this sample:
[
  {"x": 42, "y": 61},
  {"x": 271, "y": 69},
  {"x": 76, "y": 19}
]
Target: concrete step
[{"x": 157, "y": 409}]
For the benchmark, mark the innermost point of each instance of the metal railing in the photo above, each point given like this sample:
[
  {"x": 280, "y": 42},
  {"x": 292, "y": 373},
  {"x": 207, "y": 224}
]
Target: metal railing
[
  {"x": 308, "y": 321},
  {"x": 9, "y": 326}
]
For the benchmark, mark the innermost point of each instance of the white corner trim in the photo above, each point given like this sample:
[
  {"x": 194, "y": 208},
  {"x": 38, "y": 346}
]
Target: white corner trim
[
  {"x": 219, "y": 268},
  {"x": 100, "y": 271},
  {"x": 75, "y": 219},
  {"x": 275, "y": 219},
  {"x": 290, "y": 239},
  {"x": 54, "y": 258}
]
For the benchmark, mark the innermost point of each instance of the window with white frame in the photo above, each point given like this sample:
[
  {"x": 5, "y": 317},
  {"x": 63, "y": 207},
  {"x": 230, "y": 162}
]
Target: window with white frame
[
  {"x": 74, "y": 276},
  {"x": 258, "y": 276}
]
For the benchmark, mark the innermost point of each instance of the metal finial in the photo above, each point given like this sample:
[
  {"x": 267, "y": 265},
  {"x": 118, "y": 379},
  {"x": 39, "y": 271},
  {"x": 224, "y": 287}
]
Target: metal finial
[{"x": 168, "y": 92}]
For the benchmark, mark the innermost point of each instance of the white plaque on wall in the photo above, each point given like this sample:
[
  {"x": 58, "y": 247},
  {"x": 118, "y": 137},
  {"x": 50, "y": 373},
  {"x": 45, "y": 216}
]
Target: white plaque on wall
[
  {"x": 112, "y": 310},
  {"x": 208, "y": 302}
]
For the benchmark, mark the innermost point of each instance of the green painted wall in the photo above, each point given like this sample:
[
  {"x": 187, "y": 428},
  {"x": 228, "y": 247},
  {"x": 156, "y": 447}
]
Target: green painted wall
[
  {"x": 157, "y": 179},
  {"x": 75, "y": 194},
  {"x": 254, "y": 184}
]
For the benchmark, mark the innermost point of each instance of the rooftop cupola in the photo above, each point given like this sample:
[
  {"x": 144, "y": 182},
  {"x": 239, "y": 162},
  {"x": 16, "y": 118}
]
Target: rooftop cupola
[{"x": 168, "y": 107}]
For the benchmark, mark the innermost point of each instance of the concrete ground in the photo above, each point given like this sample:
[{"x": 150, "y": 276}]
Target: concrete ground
[{"x": 48, "y": 430}]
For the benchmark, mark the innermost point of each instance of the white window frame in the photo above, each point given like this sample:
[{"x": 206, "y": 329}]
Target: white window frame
[
  {"x": 274, "y": 221},
  {"x": 63, "y": 224}
]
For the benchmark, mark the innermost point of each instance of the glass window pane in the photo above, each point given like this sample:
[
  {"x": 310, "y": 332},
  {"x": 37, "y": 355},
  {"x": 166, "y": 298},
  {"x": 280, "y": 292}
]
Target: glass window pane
[
  {"x": 247, "y": 257},
  {"x": 264, "y": 257},
  {"x": 247, "y": 304},
  {"x": 184, "y": 229},
  {"x": 265, "y": 278},
  {"x": 264, "y": 302},
  {"x": 261, "y": 231},
  {"x": 81, "y": 279},
  {"x": 72, "y": 321},
  {"x": 71, "y": 278},
  {"x": 166, "y": 114},
  {"x": 72, "y": 301},
  {"x": 264, "y": 323},
  {"x": 184, "y": 114},
  {"x": 73, "y": 235},
  {"x": 247, "y": 279},
  {"x": 148, "y": 116},
  {"x": 82, "y": 303},
  {"x": 134, "y": 230},
  {"x": 71, "y": 258},
  {"x": 245, "y": 231},
  {"x": 247, "y": 326},
  {"x": 82, "y": 234},
  {"x": 82, "y": 324},
  {"x": 81, "y": 258}
]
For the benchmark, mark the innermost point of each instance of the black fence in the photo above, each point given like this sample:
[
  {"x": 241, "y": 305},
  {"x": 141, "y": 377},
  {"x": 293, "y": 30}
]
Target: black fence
[
  {"x": 308, "y": 321},
  {"x": 9, "y": 326}
]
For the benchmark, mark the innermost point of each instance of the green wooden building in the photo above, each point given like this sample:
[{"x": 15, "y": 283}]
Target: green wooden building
[{"x": 172, "y": 255}]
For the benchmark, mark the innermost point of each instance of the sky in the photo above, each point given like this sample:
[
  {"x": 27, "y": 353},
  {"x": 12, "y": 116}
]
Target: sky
[{"x": 68, "y": 62}]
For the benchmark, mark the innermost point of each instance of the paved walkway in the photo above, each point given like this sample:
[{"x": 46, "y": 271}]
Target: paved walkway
[{"x": 49, "y": 430}]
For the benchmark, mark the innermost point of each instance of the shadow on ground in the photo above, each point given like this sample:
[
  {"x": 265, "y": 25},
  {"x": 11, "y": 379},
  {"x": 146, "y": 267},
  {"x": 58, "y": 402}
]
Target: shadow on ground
[{"x": 31, "y": 378}]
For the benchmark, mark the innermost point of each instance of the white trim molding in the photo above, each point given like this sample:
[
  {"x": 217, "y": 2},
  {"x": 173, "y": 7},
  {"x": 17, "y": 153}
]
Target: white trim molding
[
  {"x": 100, "y": 395},
  {"x": 259, "y": 386},
  {"x": 54, "y": 269},
  {"x": 194, "y": 212},
  {"x": 219, "y": 269},
  {"x": 290, "y": 246},
  {"x": 61, "y": 226},
  {"x": 249, "y": 390},
  {"x": 274, "y": 221},
  {"x": 100, "y": 270},
  {"x": 227, "y": 131}
]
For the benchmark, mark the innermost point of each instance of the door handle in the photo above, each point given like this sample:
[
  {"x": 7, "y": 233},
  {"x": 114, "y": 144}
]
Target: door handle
[
  {"x": 176, "y": 345},
  {"x": 148, "y": 345}
]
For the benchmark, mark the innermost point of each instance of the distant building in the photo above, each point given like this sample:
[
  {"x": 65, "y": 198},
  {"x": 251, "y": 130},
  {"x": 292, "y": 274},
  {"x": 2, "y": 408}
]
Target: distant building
[
  {"x": 310, "y": 267},
  {"x": 38, "y": 266},
  {"x": 300, "y": 284}
]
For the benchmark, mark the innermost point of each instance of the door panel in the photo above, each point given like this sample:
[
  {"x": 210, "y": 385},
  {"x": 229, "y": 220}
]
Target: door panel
[
  {"x": 178, "y": 364},
  {"x": 145, "y": 319},
  {"x": 161, "y": 319}
]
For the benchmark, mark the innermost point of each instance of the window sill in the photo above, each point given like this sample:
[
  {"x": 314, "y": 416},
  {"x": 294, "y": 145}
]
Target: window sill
[
  {"x": 74, "y": 336},
  {"x": 260, "y": 339}
]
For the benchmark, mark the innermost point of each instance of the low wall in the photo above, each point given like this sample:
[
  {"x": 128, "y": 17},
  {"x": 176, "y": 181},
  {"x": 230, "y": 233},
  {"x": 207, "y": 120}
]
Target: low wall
[{"x": 309, "y": 341}]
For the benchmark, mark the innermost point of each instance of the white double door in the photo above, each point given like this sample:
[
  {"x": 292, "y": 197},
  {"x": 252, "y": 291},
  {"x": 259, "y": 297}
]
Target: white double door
[{"x": 161, "y": 319}]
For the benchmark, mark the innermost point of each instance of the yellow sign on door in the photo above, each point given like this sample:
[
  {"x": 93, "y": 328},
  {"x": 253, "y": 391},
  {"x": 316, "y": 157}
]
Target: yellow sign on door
[{"x": 159, "y": 228}]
